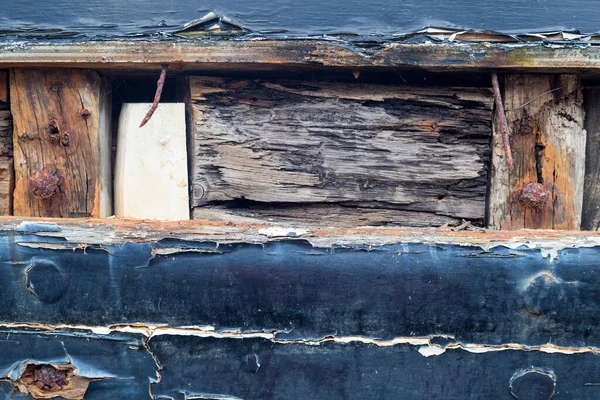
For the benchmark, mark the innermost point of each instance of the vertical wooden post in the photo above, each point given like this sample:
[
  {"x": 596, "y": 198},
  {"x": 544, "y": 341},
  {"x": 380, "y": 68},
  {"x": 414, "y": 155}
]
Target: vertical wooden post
[
  {"x": 544, "y": 190},
  {"x": 62, "y": 143},
  {"x": 6, "y": 149},
  {"x": 590, "y": 219}
]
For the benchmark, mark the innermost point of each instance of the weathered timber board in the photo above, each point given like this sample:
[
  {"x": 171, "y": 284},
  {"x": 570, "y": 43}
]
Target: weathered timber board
[
  {"x": 333, "y": 215},
  {"x": 62, "y": 158},
  {"x": 6, "y": 159},
  {"x": 301, "y": 54},
  {"x": 590, "y": 218},
  {"x": 545, "y": 118},
  {"x": 420, "y": 149},
  {"x": 415, "y": 287}
]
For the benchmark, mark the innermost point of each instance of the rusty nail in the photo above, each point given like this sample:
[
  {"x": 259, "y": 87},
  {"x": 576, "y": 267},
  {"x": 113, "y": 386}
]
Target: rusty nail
[
  {"x": 54, "y": 88},
  {"x": 502, "y": 120},
  {"x": 43, "y": 183},
  {"x": 534, "y": 195}
]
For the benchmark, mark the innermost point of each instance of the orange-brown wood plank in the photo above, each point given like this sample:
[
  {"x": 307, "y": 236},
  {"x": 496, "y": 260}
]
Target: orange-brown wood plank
[
  {"x": 6, "y": 159},
  {"x": 62, "y": 151},
  {"x": 3, "y": 86},
  {"x": 544, "y": 190}
]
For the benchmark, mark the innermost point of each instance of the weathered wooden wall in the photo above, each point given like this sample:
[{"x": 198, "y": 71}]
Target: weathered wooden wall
[{"x": 423, "y": 151}]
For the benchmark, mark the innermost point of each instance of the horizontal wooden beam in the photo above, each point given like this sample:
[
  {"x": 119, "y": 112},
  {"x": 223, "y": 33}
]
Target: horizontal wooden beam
[{"x": 210, "y": 55}]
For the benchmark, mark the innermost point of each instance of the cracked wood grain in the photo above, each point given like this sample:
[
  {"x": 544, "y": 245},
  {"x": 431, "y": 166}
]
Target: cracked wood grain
[
  {"x": 545, "y": 189},
  {"x": 61, "y": 131},
  {"x": 591, "y": 196},
  {"x": 6, "y": 159},
  {"x": 422, "y": 150}
]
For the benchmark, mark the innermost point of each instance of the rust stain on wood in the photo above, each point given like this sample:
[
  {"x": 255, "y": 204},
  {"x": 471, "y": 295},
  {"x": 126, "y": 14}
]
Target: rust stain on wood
[
  {"x": 48, "y": 381},
  {"x": 60, "y": 165},
  {"x": 548, "y": 142}
]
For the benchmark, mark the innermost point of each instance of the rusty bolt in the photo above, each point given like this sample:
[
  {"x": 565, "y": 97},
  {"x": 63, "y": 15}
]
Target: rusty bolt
[
  {"x": 534, "y": 195},
  {"x": 43, "y": 183},
  {"x": 47, "y": 377}
]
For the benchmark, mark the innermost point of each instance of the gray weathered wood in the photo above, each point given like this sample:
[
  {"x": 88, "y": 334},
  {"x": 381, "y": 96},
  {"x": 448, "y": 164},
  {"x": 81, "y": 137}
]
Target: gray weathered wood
[
  {"x": 332, "y": 215},
  {"x": 590, "y": 218},
  {"x": 7, "y": 174},
  {"x": 545, "y": 119},
  {"x": 418, "y": 149}
]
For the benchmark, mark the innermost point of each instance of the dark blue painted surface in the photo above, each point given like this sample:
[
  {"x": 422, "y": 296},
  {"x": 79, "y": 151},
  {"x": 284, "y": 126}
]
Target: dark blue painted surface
[
  {"x": 496, "y": 297},
  {"x": 101, "y": 18},
  {"x": 259, "y": 369}
]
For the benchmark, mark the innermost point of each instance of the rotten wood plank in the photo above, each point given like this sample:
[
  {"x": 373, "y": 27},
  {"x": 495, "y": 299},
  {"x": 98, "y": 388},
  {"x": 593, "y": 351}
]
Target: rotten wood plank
[
  {"x": 416, "y": 149},
  {"x": 3, "y": 87},
  {"x": 6, "y": 160},
  {"x": 247, "y": 55},
  {"x": 332, "y": 215},
  {"x": 590, "y": 219},
  {"x": 62, "y": 128},
  {"x": 545, "y": 189}
]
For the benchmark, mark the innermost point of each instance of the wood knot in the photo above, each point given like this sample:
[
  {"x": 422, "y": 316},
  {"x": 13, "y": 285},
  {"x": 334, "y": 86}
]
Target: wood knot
[
  {"x": 43, "y": 183},
  {"x": 534, "y": 195},
  {"x": 85, "y": 113}
]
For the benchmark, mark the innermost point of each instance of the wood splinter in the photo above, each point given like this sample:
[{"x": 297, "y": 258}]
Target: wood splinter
[
  {"x": 159, "y": 89},
  {"x": 502, "y": 120}
]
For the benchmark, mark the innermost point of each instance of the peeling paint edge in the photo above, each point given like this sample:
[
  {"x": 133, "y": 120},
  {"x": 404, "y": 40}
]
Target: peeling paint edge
[{"x": 426, "y": 346}]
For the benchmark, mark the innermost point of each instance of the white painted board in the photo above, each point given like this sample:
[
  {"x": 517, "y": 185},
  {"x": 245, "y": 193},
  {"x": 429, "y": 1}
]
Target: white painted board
[{"x": 151, "y": 176}]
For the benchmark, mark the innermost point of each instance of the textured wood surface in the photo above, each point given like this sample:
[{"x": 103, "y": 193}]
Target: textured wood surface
[
  {"x": 590, "y": 218},
  {"x": 418, "y": 149},
  {"x": 61, "y": 128},
  {"x": 4, "y": 86},
  {"x": 6, "y": 160},
  {"x": 151, "y": 179},
  {"x": 545, "y": 119}
]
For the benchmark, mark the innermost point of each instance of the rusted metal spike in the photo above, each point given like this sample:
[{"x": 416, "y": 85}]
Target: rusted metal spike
[
  {"x": 159, "y": 89},
  {"x": 502, "y": 120}
]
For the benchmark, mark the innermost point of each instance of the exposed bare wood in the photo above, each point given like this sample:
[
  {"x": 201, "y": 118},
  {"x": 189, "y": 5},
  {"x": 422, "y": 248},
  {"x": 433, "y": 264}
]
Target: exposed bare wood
[
  {"x": 418, "y": 149},
  {"x": 119, "y": 230},
  {"x": 6, "y": 160},
  {"x": 590, "y": 219},
  {"x": 212, "y": 55},
  {"x": 62, "y": 157},
  {"x": 545, "y": 189},
  {"x": 151, "y": 179},
  {"x": 3, "y": 86},
  {"x": 330, "y": 215}
]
